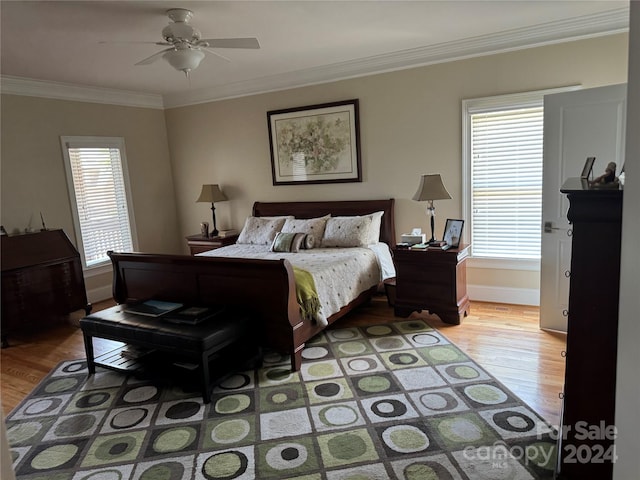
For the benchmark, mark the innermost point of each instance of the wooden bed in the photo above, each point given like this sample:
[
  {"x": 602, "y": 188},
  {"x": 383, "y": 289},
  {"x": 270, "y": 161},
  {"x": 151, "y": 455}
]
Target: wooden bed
[{"x": 265, "y": 287}]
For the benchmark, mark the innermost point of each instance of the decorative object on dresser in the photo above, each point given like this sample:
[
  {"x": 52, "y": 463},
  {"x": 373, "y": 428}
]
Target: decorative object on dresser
[
  {"x": 431, "y": 188},
  {"x": 592, "y": 332},
  {"x": 198, "y": 243},
  {"x": 42, "y": 280},
  {"x": 432, "y": 280},
  {"x": 298, "y": 157},
  {"x": 212, "y": 194}
]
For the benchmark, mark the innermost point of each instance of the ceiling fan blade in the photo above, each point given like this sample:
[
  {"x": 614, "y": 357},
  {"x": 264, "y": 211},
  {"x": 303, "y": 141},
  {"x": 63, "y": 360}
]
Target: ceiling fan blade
[
  {"x": 249, "y": 42},
  {"x": 131, "y": 42},
  {"x": 153, "y": 57},
  {"x": 208, "y": 50}
]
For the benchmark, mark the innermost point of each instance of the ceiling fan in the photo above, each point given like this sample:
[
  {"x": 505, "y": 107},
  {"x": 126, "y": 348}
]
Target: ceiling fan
[{"x": 186, "y": 47}]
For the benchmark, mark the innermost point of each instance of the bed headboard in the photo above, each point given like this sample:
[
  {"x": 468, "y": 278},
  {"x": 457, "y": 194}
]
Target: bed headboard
[{"x": 335, "y": 208}]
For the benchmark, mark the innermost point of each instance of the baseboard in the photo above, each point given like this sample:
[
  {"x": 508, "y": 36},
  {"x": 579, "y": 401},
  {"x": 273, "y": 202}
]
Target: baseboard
[
  {"x": 515, "y": 296},
  {"x": 98, "y": 294}
]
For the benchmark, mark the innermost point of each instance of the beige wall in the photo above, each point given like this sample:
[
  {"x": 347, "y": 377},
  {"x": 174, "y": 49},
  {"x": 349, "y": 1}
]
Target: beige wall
[
  {"x": 33, "y": 174},
  {"x": 410, "y": 124}
]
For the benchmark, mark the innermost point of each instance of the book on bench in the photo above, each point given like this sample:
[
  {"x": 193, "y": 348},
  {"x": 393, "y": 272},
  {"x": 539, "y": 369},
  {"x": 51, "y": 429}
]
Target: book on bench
[
  {"x": 152, "y": 308},
  {"x": 192, "y": 315}
]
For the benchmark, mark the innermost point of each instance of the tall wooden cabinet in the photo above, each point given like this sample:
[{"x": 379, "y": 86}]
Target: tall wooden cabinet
[
  {"x": 42, "y": 280},
  {"x": 592, "y": 334}
]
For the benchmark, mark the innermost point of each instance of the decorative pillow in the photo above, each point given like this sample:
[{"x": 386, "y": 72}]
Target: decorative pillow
[
  {"x": 374, "y": 231},
  {"x": 347, "y": 232},
  {"x": 288, "y": 242},
  {"x": 309, "y": 241},
  {"x": 260, "y": 231},
  {"x": 313, "y": 226}
]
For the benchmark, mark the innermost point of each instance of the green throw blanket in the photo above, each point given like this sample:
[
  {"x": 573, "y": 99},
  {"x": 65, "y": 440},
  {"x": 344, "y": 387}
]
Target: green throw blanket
[{"x": 306, "y": 293}]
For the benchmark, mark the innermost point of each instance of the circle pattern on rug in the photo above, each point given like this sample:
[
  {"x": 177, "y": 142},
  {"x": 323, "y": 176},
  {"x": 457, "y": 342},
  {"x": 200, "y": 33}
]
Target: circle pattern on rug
[
  {"x": 232, "y": 404},
  {"x": 379, "y": 330},
  {"x": 168, "y": 470},
  {"x": 60, "y": 385},
  {"x": 485, "y": 394},
  {"x": 347, "y": 446},
  {"x": 338, "y": 415},
  {"x": 235, "y": 382},
  {"x": 426, "y": 339},
  {"x": 114, "y": 447},
  {"x": 42, "y": 407},
  {"x": 54, "y": 456},
  {"x": 389, "y": 408},
  {"x": 374, "y": 384},
  {"x": 327, "y": 389},
  {"x": 286, "y": 456},
  {"x": 460, "y": 429},
  {"x": 23, "y": 431},
  {"x": 174, "y": 439},
  {"x": 225, "y": 465},
  {"x": 314, "y": 353},
  {"x": 140, "y": 394},
  {"x": 106, "y": 474},
  {"x": 128, "y": 418},
  {"x": 352, "y": 348},
  {"x": 513, "y": 421},
  {"x": 75, "y": 425},
  {"x": 230, "y": 431},
  {"x": 182, "y": 410},
  {"x": 425, "y": 469},
  {"x": 362, "y": 364},
  {"x": 405, "y": 439},
  {"x": 403, "y": 358},
  {"x": 438, "y": 401},
  {"x": 462, "y": 372},
  {"x": 92, "y": 400},
  {"x": 74, "y": 367},
  {"x": 344, "y": 334}
]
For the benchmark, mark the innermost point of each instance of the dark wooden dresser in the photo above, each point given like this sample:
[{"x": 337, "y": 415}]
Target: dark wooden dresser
[
  {"x": 42, "y": 280},
  {"x": 592, "y": 334}
]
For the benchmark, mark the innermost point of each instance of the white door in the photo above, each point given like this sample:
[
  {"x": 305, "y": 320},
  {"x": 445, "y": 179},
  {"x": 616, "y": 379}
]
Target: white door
[{"x": 577, "y": 125}]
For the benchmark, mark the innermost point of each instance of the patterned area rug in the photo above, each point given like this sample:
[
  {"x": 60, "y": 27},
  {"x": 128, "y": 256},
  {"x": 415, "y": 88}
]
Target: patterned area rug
[{"x": 382, "y": 402}]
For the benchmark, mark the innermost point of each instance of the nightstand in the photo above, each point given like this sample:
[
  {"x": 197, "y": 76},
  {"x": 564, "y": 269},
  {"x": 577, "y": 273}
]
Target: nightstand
[
  {"x": 198, "y": 243},
  {"x": 432, "y": 280}
]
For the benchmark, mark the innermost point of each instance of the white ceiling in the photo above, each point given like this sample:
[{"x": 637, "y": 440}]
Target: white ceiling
[{"x": 302, "y": 42}]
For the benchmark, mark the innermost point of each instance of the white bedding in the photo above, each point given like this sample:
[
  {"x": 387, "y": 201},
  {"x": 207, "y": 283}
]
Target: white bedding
[{"x": 340, "y": 274}]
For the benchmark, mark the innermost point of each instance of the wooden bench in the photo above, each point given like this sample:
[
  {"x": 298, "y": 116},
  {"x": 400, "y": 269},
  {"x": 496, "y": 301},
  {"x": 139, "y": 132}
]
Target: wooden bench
[{"x": 201, "y": 344}]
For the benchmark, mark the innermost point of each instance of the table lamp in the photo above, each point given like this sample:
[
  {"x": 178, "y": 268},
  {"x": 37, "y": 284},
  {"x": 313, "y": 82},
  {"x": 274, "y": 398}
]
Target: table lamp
[
  {"x": 431, "y": 188},
  {"x": 212, "y": 194}
]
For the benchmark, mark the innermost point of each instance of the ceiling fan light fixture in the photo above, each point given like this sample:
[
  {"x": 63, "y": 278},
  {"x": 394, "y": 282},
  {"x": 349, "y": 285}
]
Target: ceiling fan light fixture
[{"x": 184, "y": 60}]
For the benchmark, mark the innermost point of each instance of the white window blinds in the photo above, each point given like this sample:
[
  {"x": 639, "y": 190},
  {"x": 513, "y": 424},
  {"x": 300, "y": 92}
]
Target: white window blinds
[
  {"x": 506, "y": 182},
  {"x": 102, "y": 217}
]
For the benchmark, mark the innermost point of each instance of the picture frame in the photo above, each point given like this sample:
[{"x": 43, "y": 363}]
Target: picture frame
[
  {"x": 588, "y": 167},
  {"x": 315, "y": 144},
  {"x": 453, "y": 232}
]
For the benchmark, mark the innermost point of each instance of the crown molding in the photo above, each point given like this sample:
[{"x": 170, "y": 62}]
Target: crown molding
[
  {"x": 589, "y": 26},
  {"x": 81, "y": 93}
]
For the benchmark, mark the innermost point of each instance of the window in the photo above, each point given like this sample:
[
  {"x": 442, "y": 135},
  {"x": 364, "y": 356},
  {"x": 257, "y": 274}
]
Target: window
[
  {"x": 98, "y": 188},
  {"x": 502, "y": 168}
]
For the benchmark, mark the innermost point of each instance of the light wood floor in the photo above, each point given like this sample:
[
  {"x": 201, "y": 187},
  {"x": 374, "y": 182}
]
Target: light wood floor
[{"x": 504, "y": 339}]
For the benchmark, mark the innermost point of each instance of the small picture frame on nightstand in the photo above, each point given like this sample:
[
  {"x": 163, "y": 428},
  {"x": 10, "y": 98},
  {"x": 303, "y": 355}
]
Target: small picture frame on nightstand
[{"x": 453, "y": 232}]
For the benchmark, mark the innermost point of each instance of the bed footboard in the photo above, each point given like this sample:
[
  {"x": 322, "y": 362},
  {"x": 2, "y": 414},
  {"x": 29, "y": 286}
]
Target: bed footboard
[{"x": 264, "y": 287}]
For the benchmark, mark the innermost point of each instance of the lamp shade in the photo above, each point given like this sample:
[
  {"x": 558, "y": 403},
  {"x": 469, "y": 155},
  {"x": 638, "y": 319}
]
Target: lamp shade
[
  {"x": 431, "y": 188},
  {"x": 211, "y": 193}
]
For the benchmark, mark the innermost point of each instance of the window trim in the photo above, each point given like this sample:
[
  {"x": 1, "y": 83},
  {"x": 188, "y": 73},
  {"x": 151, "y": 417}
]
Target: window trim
[
  {"x": 96, "y": 142},
  {"x": 470, "y": 106}
]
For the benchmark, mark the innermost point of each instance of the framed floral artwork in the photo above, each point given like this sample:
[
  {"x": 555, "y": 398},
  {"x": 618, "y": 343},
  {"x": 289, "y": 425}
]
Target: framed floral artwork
[{"x": 315, "y": 144}]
